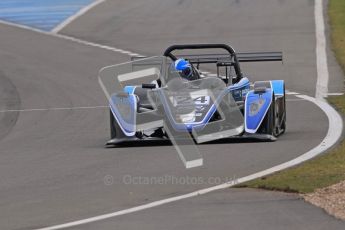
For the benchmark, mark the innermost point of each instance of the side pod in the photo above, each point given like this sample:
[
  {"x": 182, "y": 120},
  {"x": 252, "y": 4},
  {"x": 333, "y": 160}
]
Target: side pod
[
  {"x": 257, "y": 104},
  {"x": 124, "y": 108},
  {"x": 278, "y": 87}
]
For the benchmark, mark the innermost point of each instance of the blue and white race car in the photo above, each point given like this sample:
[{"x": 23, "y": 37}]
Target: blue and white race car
[{"x": 172, "y": 97}]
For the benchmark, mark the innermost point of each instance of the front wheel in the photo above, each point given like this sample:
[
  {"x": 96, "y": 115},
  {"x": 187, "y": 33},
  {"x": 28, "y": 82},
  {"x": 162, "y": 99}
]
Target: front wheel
[{"x": 112, "y": 125}]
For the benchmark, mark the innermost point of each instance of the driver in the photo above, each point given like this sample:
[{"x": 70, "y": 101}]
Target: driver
[{"x": 185, "y": 69}]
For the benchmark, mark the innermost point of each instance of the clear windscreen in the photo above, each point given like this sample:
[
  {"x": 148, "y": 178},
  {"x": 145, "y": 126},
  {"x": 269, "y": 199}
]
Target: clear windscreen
[{"x": 204, "y": 107}]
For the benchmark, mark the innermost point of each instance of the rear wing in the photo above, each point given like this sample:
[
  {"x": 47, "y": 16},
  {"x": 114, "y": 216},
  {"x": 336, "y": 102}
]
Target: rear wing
[
  {"x": 260, "y": 56},
  {"x": 241, "y": 57}
]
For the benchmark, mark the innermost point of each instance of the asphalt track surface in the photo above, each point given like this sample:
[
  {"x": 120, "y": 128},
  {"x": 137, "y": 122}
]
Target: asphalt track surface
[{"x": 53, "y": 162}]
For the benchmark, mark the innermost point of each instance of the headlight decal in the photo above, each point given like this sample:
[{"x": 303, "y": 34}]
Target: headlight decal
[{"x": 256, "y": 106}]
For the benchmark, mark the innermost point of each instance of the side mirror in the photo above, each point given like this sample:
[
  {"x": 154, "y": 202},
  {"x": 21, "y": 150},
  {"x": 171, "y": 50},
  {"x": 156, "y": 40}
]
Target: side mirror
[{"x": 148, "y": 86}]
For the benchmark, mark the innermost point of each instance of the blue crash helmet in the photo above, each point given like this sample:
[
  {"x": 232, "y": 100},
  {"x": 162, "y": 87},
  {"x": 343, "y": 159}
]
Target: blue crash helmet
[{"x": 184, "y": 68}]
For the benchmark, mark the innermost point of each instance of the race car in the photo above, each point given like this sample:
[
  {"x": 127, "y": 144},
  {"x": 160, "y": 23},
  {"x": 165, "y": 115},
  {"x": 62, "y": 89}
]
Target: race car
[{"x": 192, "y": 95}]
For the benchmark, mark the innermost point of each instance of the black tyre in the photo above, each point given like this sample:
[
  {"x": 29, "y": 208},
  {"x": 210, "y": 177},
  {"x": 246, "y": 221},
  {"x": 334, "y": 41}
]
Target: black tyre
[
  {"x": 283, "y": 123},
  {"x": 283, "y": 126},
  {"x": 115, "y": 130},
  {"x": 112, "y": 125}
]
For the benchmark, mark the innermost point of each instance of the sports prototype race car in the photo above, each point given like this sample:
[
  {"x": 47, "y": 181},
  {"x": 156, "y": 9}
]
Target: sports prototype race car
[{"x": 173, "y": 97}]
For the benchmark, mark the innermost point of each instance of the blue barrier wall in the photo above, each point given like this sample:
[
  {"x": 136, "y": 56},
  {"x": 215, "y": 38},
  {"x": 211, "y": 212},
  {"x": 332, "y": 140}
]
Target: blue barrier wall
[{"x": 40, "y": 14}]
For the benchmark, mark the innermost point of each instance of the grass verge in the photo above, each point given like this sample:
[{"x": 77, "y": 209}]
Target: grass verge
[{"x": 327, "y": 169}]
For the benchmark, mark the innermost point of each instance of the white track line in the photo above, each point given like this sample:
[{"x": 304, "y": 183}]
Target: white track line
[
  {"x": 125, "y": 52},
  {"x": 335, "y": 94},
  {"x": 82, "y": 11},
  {"x": 53, "y": 109},
  {"x": 300, "y": 99},
  {"x": 321, "y": 54},
  {"x": 333, "y": 135},
  {"x": 72, "y": 39},
  {"x": 78, "y": 108},
  {"x": 291, "y": 93}
]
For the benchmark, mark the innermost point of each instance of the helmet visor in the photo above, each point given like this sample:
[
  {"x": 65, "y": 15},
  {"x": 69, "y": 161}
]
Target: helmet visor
[{"x": 187, "y": 72}]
